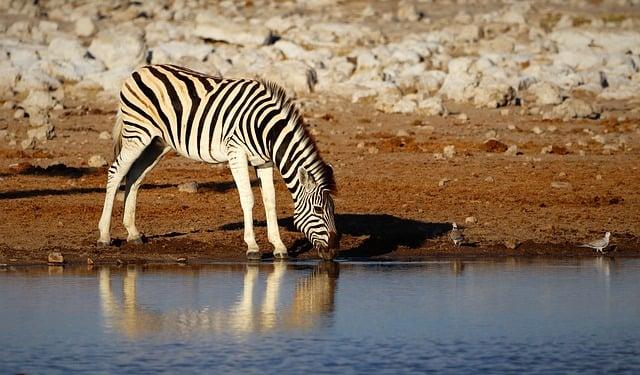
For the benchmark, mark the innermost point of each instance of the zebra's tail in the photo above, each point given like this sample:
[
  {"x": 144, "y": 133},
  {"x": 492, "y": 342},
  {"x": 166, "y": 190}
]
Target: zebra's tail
[{"x": 116, "y": 135}]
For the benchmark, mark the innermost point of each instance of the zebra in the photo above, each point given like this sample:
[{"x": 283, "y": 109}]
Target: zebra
[{"x": 213, "y": 119}]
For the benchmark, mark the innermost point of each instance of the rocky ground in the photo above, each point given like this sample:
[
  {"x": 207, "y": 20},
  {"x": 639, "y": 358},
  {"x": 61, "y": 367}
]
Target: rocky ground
[{"x": 517, "y": 120}]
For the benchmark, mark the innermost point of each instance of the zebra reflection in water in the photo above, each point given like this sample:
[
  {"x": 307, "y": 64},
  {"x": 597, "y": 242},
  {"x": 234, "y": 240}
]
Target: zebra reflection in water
[{"x": 312, "y": 303}]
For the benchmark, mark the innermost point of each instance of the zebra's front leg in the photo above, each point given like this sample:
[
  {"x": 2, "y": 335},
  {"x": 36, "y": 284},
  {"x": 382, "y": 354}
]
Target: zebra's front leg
[
  {"x": 240, "y": 170},
  {"x": 265, "y": 174}
]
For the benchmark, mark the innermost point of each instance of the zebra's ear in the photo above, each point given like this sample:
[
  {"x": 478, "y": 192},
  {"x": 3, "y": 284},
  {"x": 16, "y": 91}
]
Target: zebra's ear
[{"x": 306, "y": 179}]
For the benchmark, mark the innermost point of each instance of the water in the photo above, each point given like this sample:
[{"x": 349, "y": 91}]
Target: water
[{"x": 508, "y": 316}]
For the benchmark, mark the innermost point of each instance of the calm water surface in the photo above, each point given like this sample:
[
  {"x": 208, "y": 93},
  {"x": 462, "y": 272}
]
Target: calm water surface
[{"x": 508, "y": 316}]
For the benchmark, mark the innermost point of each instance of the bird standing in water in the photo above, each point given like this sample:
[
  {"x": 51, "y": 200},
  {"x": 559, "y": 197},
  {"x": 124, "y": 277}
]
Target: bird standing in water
[{"x": 600, "y": 244}]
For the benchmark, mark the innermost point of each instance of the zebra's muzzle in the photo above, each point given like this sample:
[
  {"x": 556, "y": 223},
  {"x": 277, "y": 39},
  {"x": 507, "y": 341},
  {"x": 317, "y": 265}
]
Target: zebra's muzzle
[{"x": 329, "y": 251}]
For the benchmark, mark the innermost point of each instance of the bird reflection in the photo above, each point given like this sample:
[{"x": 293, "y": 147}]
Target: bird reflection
[{"x": 311, "y": 302}]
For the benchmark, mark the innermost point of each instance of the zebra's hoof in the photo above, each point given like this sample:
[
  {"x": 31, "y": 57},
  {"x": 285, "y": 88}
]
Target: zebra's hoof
[
  {"x": 281, "y": 256},
  {"x": 136, "y": 241},
  {"x": 101, "y": 243},
  {"x": 254, "y": 255}
]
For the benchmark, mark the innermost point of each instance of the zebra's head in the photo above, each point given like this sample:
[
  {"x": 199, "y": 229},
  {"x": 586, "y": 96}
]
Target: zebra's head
[{"x": 314, "y": 209}]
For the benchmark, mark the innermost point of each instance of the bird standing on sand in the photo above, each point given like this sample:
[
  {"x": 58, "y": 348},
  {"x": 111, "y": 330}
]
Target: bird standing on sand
[
  {"x": 599, "y": 244},
  {"x": 456, "y": 235}
]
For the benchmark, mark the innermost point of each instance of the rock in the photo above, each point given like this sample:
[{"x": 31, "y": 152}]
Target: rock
[
  {"x": 463, "y": 117},
  {"x": 105, "y": 135},
  {"x": 443, "y": 181},
  {"x": 119, "y": 47},
  {"x": 460, "y": 82},
  {"x": 513, "y": 150},
  {"x": 404, "y": 105},
  {"x": 575, "y": 108},
  {"x": 90, "y": 262},
  {"x": 537, "y": 130},
  {"x": 402, "y": 133},
  {"x": 489, "y": 179},
  {"x": 28, "y": 143},
  {"x": 470, "y": 220},
  {"x": 407, "y": 12},
  {"x": 96, "y": 161},
  {"x": 432, "y": 106},
  {"x": 560, "y": 185},
  {"x": 469, "y": 33},
  {"x": 68, "y": 49},
  {"x": 19, "y": 113},
  {"x": 38, "y": 101},
  {"x": 173, "y": 51},
  {"x": 295, "y": 76},
  {"x": 493, "y": 95},
  {"x": 493, "y": 145},
  {"x": 449, "y": 151},
  {"x": 188, "y": 187},
  {"x": 55, "y": 258},
  {"x": 559, "y": 150},
  {"x": 84, "y": 26},
  {"x": 225, "y": 30},
  {"x": 42, "y": 133},
  {"x": 546, "y": 93},
  {"x": 511, "y": 243},
  {"x": 182, "y": 260}
]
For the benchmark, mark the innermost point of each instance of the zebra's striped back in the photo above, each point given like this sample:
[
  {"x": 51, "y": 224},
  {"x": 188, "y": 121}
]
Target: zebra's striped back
[{"x": 206, "y": 118}]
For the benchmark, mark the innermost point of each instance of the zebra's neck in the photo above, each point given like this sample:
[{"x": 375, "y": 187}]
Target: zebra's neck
[{"x": 297, "y": 149}]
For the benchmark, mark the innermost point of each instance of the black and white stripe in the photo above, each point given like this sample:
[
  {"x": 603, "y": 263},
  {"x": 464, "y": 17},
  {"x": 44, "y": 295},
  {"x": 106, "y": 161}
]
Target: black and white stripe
[{"x": 213, "y": 119}]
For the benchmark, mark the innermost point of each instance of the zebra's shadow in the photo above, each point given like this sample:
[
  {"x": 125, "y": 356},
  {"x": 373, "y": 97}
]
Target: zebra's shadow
[{"x": 384, "y": 234}]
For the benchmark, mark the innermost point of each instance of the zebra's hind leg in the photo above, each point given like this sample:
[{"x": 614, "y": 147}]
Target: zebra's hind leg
[
  {"x": 120, "y": 167},
  {"x": 145, "y": 163},
  {"x": 265, "y": 174},
  {"x": 240, "y": 170}
]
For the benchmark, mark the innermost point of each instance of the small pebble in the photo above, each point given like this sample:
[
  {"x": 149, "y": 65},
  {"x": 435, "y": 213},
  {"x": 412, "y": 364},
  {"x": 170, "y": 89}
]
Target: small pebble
[
  {"x": 489, "y": 179},
  {"x": 188, "y": 187},
  {"x": 96, "y": 161},
  {"x": 599, "y": 177},
  {"x": 560, "y": 185},
  {"x": 104, "y": 135},
  {"x": 470, "y": 220},
  {"x": 443, "y": 182},
  {"x": 90, "y": 262},
  {"x": 504, "y": 112},
  {"x": 19, "y": 113},
  {"x": 463, "y": 117},
  {"x": 55, "y": 258},
  {"x": 511, "y": 244},
  {"x": 537, "y": 130},
  {"x": 449, "y": 151},
  {"x": 402, "y": 133}
]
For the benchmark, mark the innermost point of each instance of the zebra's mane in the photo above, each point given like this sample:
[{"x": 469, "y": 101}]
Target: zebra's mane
[{"x": 325, "y": 174}]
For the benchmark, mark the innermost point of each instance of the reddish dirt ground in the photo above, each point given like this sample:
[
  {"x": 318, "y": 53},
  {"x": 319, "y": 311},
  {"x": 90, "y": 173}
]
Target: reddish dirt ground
[{"x": 389, "y": 206}]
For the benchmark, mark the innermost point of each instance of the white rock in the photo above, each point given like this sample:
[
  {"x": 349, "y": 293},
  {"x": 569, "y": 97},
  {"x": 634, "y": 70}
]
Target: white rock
[
  {"x": 404, "y": 105},
  {"x": 513, "y": 150},
  {"x": 222, "y": 29},
  {"x": 42, "y": 133},
  {"x": 188, "y": 187},
  {"x": 449, "y": 151},
  {"x": 493, "y": 95},
  {"x": 546, "y": 93},
  {"x": 295, "y": 76},
  {"x": 119, "y": 47},
  {"x": 469, "y": 33},
  {"x": 84, "y": 26},
  {"x": 459, "y": 83},
  {"x": 408, "y": 12},
  {"x": 66, "y": 49},
  {"x": 575, "y": 108},
  {"x": 36, "y": 79},
  {"x": 96, "y": 161},
  {"x": 432, "y": 106},
  {"x": 175, "y": 50},
  {"x": 104, "y": 135},
  {"x": 470, "y": 220}
]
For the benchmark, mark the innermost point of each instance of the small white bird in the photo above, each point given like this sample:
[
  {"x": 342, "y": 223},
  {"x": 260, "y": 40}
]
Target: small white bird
[
  {"x": 456, "y": 235},
  {"x": 599, "y": 244}
]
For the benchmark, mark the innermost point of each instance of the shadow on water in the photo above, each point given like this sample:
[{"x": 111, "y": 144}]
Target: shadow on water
[{"x": 385, "y": 233}]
